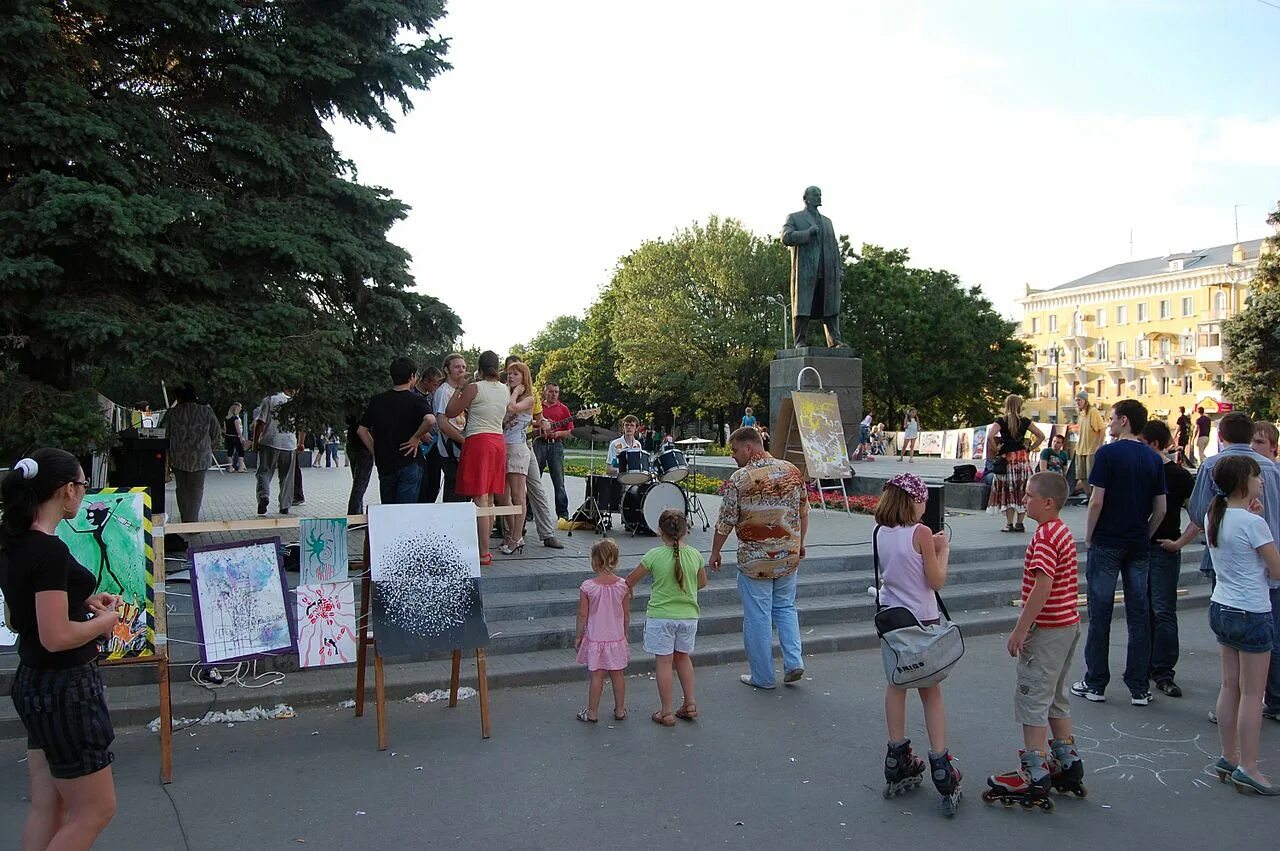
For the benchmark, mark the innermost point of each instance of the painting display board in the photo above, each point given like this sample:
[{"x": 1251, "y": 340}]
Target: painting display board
[
  {"x": 326, "y": 618},
  {"x": 979, "y": 443},
  {"x": 930, "y": 443},
  {"x": 112, "y": 537},
  {"x": 821, "y": 434},
  {"x": 951, "y": 444},
  {"x": 425, "y": 571},
  {"x": 238, "y": 592},
  {"x": 323, "y": 550}
]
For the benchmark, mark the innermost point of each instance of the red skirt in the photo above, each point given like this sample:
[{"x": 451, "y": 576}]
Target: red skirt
[{"x": 482, "y": 468}]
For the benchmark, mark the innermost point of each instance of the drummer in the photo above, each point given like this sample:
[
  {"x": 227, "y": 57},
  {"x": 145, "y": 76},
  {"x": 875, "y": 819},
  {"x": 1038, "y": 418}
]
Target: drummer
[{"x": 628, "y": 441}]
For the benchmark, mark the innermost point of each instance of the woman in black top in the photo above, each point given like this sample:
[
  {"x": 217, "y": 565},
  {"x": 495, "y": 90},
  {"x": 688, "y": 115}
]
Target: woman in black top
[
  {"x": 233, "y": 438},
  {"x": 59, "y": 621},
  {"x": 1012, "y": 441}
]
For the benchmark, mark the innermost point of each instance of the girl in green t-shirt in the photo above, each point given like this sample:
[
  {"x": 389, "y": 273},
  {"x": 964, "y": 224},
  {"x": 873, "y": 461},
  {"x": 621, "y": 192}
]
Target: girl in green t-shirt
[{"x": 671, "y": 622}]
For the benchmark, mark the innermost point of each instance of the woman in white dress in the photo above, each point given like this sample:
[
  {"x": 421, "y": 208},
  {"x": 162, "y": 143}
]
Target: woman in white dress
[{"x": 910, "y": 435}]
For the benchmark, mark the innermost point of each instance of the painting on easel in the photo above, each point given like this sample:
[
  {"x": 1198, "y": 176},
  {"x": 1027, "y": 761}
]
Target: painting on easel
[
  {"x": 323, "y": 555},
  {"x": 111, "y": 536},
  {"x": 326, "y": 624},
  {"x": 238, "y": 594},
  {"x": 821, "y": 434},
  {"x": 425, "y": 572}
]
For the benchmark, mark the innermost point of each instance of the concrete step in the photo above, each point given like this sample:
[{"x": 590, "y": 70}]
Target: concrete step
[{"x": 137, "y": 703}]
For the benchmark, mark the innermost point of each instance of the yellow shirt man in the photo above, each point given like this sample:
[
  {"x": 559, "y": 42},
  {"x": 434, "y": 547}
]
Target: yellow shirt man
[{"x": 1091, "y": 427}]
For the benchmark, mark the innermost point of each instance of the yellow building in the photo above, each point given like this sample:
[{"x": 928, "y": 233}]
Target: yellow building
[{"x": 1147, "y": 330}]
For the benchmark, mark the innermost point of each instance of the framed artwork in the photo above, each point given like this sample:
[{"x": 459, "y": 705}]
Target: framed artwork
[
  {"x": 821, "y": 434},
  {"x": 326, "y": 618},
  {"x": 323, "y": 550},
  {"x": 238, "y": 592}
]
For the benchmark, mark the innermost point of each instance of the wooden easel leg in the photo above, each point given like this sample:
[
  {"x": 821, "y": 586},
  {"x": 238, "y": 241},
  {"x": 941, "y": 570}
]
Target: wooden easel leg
[
  {"x": 482, "y": 680},
  {"x": 454, "y": 677},
  {"x": 166, "y": 721},
  {"x": 380, "y": 700},
  {"x": 362, "y": 633}
]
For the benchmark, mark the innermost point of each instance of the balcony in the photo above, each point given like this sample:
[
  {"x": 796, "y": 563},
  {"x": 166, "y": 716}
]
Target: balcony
[
  {"x": 1210, "y": 357},
  {"x": 1163, "y": 366},
  {"x": 1120, "y": 368},
  {"x": 1076, "y": 372}
]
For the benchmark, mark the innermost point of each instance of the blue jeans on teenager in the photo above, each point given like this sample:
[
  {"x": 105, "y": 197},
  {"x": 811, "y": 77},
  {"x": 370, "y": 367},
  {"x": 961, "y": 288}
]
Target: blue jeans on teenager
[
  {"x": 550, "y": 454},
  {"x": 766, "y": 604},
  {"x": 400, "y": 487},
  {"x": 1105, "y": 567},
  {"x": 1272, "y": 702},
  {"x": 1163, "y": 580}
]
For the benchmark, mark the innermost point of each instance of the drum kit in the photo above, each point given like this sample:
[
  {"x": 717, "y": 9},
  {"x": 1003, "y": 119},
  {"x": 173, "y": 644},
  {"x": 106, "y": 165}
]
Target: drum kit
[{"x": 646, "y": 486}]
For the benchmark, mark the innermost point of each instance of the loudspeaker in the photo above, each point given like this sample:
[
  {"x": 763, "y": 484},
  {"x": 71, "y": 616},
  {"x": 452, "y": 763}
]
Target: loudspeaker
[{"x": 936, "y": 508}]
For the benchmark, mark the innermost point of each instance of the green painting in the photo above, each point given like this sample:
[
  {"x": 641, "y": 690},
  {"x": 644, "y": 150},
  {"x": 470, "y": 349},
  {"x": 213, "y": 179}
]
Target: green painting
[{"x": 111, "y": 536}]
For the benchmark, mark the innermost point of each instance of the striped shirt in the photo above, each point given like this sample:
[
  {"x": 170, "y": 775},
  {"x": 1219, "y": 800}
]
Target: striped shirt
[{"x": 1053, "y": 550}]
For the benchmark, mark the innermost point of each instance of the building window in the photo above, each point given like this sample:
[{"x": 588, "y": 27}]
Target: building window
[
  {"x": 1102, "y": 317},
  {"x": 1166, "y": 347},
  {"x": 1143, "y": 346},
  {"x": 1188, "y": 384},
  {"x": 1142, "y": 386},
  {"x": 1120, "y": 387},
  {"x": 1220, "y": 305},
  {"x": 1142, "y": 311},
  {"x": 1208, "y": 335},
  {"x": 1053, "y": 389},
  {"x": 1166, "y": 308},
  {"x": 1188, "y": 344},
  {"x": 1098, "y": 392},
  {"x": 1188, "y": 305},
  {"x": 1122, "y": 314},
  {"x": 1053, "y": 323},
  {"x": 1102, "y": 350},
  {"x": 1164, "y": 386},
  {"x": 1035, "y": 325},
  {"x": 1121, "y": 350}
]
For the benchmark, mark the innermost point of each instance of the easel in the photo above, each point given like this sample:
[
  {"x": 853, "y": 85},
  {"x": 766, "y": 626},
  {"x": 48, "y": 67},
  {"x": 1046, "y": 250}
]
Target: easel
[
  {"x": 793, "y": 447},
  {"x": 365, "y": 640}
]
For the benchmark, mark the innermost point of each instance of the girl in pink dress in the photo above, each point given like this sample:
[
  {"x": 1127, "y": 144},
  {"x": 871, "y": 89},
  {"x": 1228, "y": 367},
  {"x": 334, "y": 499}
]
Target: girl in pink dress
[{"x": 604, "y": 615}]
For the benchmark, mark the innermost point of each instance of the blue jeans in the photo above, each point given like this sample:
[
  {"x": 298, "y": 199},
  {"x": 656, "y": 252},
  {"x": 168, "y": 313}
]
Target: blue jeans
[
  {"x": 769, "y": 603},
  {"x": 1107, "y": 565},
  {"x": 1163, "y": 579},
  {"x": 400, "y": 487},
  {"x": 551, "y": 454},
  {"x": 1272, "y": 701}
]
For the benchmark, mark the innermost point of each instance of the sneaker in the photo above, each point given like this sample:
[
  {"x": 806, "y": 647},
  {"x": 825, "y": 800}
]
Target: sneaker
[
  {"x": 1081, "y": 690},
  {"x": 1143, "y": 699},
  {"x": 745, "y": 679},
  {"x": 262, "y": 506},
  {"x": 1169, "y": 687},
  {"x": 209, "y": 677},
  {"x": 793, "y": 676},
  {"x": 1213, "y": 716},
  {"x": 299, "y": 502},
  {"x": 1271, "y": 714}
]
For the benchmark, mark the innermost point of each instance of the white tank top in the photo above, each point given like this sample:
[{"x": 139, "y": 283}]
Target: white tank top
[{"x": 488, "y": 409}]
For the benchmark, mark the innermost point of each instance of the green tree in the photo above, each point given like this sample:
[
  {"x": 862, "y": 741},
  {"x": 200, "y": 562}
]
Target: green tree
[
  {"x": 1252, "y": 338},
  {"x": 927, "y": 342},
  {"x": 171, "y": 206},
  {"x": 559, "y": 333}
]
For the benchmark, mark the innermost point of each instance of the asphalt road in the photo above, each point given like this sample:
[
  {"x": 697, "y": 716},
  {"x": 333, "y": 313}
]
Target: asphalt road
[{"x": 798, "y": 767}]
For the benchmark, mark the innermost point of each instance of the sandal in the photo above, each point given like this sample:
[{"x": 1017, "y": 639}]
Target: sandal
[
  {"x": 486, "y": 559},
  {"x": 1008, "y": 527},
  {"x": 1019, "y": 527},
  {"x": 619, "y": 714},
  {"x": 582, "y": 716},
  {"x": 687, "y": 712},
  {"x": 665, "y": 720}
]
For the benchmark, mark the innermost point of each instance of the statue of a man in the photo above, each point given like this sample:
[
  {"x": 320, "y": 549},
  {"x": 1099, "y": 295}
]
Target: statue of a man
[{"x": 816, "y": 270}]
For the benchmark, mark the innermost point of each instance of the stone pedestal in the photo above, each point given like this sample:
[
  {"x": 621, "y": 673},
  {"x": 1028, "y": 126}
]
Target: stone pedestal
[{"x": 841, "y": 372}]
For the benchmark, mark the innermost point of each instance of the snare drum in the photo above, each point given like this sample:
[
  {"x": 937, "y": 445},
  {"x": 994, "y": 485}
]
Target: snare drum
[
  {"x": 670, "y": 465},
  {"x": 642, "y": 505},
  {"x": 633, "y": 466}
]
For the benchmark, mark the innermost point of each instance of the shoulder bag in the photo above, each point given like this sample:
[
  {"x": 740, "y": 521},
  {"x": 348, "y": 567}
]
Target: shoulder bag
[{"x": 915, "y": 655}]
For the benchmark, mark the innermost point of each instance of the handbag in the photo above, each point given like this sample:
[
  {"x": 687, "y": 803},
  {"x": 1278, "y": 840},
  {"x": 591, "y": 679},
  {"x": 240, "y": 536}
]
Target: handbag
[{"x": 915, "y": 655}]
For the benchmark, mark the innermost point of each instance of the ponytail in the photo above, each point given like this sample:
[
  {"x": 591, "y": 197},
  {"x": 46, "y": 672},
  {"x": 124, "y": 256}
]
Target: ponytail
[
  {"x": 31, "y": 482},
  {"x": 675, "y": 526},
  {"x": 1230, "y": 478}
]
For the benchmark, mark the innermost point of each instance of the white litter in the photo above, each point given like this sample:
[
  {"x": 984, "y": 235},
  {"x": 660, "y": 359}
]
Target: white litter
[
  {"x": 464, "y": 693},
  {"x": 347, "y": 704},
  {"x": 231, "y": 717}
]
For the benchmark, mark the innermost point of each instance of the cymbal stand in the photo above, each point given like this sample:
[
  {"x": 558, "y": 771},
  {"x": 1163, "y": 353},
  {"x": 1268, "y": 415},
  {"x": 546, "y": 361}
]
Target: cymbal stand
[
  {"x": 600, "y": 515},
  {"x": 695, "y": 509}
]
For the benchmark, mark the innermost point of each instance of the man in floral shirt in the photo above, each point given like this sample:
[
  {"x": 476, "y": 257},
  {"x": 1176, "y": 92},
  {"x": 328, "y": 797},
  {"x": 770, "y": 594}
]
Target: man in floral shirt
[{"x": 765, "y": 503}]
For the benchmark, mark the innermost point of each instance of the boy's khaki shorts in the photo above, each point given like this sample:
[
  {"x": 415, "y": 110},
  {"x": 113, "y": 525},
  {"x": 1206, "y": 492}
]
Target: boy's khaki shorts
[{"x": 1044, "y": 666}]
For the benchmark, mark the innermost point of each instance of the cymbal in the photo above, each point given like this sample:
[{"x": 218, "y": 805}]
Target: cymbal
[
  {"x": 693, "y": 441},
  {"x": 596, "y": 434}
]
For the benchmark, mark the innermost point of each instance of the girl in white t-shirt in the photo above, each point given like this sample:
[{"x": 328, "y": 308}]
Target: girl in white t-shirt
[{"x": 1244, "y": 555}]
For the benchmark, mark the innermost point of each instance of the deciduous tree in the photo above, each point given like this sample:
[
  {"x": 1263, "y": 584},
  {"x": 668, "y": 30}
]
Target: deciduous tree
[{"x": 1252, "y": 338}]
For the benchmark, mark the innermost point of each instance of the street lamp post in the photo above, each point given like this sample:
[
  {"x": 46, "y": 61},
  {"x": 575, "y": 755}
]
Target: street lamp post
[
  {"x": 1057, "y": 387},
  {"x": 783, "y": 305}
]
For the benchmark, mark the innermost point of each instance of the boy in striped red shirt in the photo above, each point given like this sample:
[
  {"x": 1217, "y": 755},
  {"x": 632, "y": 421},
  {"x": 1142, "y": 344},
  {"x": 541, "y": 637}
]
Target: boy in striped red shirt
[{"x": 1044, "y": 642}]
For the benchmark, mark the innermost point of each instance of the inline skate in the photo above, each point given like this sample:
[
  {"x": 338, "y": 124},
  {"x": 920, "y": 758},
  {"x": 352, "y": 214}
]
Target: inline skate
[
  {"x": 1028, "y": 786},
  {"x": 1066, "y": 769},
  {"x": 946, "y": 778},
  {"x": 903, "y": 770}
]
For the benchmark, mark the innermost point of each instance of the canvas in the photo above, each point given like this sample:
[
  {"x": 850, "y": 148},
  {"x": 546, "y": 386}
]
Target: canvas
[
  {"x": 238, "y": 594},
  {"x": 980, "y": 443},
  {"x": 323, "y": 543},
  {"x": 326, "y": 618},
  {"x": 425, "y": 567},
  {"x": 930, "y": 443},
  {"x": 951, "y": 444},
  {"x": 111, "y": 536},
  {"x": 821, "y": 435}
]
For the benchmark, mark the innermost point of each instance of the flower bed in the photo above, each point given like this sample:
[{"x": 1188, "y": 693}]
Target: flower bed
[
  {"x": 697, "y": 483},
  {"x": 860, "y": 503}
]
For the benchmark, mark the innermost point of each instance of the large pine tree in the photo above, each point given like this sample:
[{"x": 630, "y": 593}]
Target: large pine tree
[{"x": 172, "y": 207}]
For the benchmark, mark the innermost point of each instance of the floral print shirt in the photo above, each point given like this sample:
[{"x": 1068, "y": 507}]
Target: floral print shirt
[{"x": 764, "y": 503}]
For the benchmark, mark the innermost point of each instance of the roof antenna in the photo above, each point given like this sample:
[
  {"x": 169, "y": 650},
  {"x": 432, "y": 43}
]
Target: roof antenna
[
  {"x": 1235, "y": 210},
  {"x": 1130, "y": 243}
]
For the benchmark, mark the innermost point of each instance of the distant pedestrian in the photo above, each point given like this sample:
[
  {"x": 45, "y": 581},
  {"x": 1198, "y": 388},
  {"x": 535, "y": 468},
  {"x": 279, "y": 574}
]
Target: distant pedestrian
[
  {"x": 193, "y": 429},
  {"x": 1184, "y": 437},
  {"x": 748, "y": 418},
  {"x": 1011, "y": 449},
  {"x": 360, "y": 460},
  {"x": 233, "y": 438},
  {"x": 910, "y": 436},
  {"x": 277, "y": 447},
  {"x": 331, "y": 442},
  {"x": 604, "y": 618},
  {"x": 1203, "y": 427},
  {"x": 913, "y": 568},
  {"x": 1088, "y": 439},
  {"x": 671, "y": 620}
]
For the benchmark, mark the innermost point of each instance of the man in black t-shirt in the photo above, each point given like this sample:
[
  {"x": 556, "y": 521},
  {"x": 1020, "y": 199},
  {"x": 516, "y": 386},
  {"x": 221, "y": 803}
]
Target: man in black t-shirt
[
  {"x": 1203, "y": 426},
  {"x": 1166, "y": 566},
  {"x": 1183, "y": 437},
  {"x": 392, "y": 428}
]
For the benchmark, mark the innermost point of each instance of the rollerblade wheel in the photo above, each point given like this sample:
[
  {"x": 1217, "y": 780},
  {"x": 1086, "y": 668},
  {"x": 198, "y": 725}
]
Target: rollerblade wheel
[
  {"x": 989, "y": 796},
  {"x": 1045, "y": 804}
]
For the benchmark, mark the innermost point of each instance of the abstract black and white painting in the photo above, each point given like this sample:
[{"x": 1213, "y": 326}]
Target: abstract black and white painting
[{"x": 425, "y": 567}]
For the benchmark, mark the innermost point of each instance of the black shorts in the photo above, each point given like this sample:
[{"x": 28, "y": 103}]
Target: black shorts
[{"x": 65, "y": 713}]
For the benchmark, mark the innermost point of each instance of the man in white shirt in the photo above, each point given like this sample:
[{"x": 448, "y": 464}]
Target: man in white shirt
[
  {"x": 277, "y": 447},
  {"x": 449, "y": 443},
  {"x": 627, "y": 441}
]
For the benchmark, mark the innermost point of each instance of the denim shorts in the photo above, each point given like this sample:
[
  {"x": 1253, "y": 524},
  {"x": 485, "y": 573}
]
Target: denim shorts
[{"x": 1248, "y": 632}]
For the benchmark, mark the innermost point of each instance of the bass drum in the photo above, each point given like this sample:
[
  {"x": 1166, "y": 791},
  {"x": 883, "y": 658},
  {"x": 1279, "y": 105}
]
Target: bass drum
[{"x": 642, "y": 505}]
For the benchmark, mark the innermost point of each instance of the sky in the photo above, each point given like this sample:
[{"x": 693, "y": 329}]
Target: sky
[{"x": 1013, "y": 143}]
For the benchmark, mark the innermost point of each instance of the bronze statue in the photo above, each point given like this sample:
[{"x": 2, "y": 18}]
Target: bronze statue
[{"x": 816, "y": 270}]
